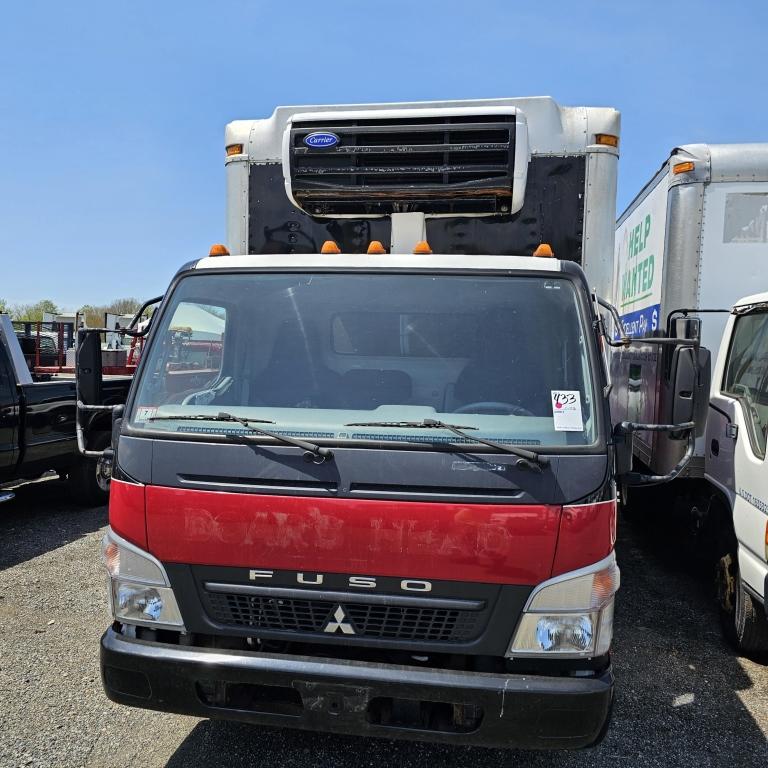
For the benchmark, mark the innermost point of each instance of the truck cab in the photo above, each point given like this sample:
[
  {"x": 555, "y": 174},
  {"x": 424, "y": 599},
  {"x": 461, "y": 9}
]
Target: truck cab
[
  {"x": 737, "y": 425},
  {"x": 378, "y": 491}
]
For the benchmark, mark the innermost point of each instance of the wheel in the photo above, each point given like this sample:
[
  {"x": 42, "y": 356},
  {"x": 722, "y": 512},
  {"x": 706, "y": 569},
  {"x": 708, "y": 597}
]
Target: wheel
[
  {"x": 743, "y": 620},
  {"x": 89, "y": 478}
]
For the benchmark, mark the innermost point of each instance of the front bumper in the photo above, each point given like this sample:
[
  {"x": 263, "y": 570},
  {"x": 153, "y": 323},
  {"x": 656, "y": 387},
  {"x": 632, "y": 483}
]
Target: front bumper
[{"x": 361, "y": 698}]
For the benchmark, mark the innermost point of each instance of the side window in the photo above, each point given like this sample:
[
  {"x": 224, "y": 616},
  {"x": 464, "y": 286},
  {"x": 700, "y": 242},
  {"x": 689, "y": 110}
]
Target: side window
[{"x": 746, "y": 375}]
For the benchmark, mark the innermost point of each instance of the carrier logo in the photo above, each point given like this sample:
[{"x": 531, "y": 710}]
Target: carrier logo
[
  {"x": 321, "y": 140},
  {"x": 339, "y": 623}
]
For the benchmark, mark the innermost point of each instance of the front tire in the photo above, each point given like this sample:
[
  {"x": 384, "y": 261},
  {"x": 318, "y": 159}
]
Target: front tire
[
  {"x": 743, "y": 620},
  {"x": 89, "y": 478}
]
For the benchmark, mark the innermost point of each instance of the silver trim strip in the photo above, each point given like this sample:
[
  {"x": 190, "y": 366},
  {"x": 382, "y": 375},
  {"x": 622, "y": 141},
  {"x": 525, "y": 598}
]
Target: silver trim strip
[{"x": 345, "y": 598}]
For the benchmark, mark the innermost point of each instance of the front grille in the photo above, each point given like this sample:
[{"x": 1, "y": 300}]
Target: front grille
[
  {"x": 445, "y": 164},
  {"x": 372, "y": 621}
]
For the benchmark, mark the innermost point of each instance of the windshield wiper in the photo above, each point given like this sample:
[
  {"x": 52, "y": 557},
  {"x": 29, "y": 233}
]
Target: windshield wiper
[
  {"x": 204, "y": 417},
  {"x": 528, "y": 458},
  {"x": 312, "y": 452}
]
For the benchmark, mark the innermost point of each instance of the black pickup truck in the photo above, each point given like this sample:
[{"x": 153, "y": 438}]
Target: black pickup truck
[{"x": 37, "y": 425}]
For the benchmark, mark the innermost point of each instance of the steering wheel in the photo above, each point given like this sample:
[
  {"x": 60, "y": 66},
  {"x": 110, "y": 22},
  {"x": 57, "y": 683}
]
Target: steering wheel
[{"x": 494, "y": 407}]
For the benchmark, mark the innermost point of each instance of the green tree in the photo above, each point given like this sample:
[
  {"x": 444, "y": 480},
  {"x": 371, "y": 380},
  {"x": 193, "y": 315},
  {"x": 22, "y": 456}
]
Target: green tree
[
  {"x": 129, "y": 306},
  {"x": 3, "y": 307},
  {"x": 33, "y": 312},
  {"x": 93, "y": 314}
]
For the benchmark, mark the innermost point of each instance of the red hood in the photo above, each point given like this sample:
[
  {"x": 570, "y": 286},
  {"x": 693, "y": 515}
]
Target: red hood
[{"x": 491, "y": 543}]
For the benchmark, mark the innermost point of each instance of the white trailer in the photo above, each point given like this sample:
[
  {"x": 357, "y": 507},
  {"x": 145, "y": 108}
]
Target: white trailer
[{"x": 694, "y": 239}]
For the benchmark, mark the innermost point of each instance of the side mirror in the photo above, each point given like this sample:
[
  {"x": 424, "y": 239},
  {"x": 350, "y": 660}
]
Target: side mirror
[
  {"x": 624, "y": 442},
  {"x": 690, "y": 380},
  {"x": 88, "y": 370},
  {"x": 701, "y": 401},
  {"x": 683, "y": 381}
]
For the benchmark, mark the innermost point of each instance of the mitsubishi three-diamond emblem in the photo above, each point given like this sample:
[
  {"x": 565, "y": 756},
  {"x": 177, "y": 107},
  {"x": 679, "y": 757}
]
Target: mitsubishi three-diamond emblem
[{"x": 339, "y": 623}]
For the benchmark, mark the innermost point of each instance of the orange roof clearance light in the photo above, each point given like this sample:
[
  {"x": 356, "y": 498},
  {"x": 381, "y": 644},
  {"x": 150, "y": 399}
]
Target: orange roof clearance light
[
  {"x": 376, "y": 247},
  {"x": 607, "y": 139},
  {"x": 684, "y": 167},
  {"x": 217, "y": 249},
  {"x": 422, "y": 248},
  {"x": 234, "y": 149},
  {"x": 329, "y": 246},
  {"x": 544, "y": 251}
]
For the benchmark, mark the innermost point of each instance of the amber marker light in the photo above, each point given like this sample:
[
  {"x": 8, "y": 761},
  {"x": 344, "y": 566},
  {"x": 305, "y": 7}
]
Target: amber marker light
[
  {"x": 422, "y": 247},
  {"x": 607, "y": 139},
  {"x": 217, "y": 249},
  {"x": 111, "y": 557},
  {"x": 544, "y": 251},
  {"x": 685, "y": 167},
  {"x": 329, "y": 246},
  {"x": 235, "y": 149},
  {"x": 376, "y": 248}
]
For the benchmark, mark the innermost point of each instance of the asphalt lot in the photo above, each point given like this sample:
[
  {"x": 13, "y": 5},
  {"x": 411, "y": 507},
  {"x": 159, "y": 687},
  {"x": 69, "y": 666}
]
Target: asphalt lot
[{"x": 683, "y": 698}]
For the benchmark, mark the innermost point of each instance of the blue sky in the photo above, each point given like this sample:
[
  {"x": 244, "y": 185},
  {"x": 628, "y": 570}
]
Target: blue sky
[{"x": 112, "y": 114}]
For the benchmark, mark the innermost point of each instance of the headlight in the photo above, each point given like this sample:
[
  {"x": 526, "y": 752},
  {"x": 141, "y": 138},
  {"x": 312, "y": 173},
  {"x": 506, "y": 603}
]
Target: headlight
[
  {"x": 570, "y": 615},
  {"x": 139, "y": 590}
]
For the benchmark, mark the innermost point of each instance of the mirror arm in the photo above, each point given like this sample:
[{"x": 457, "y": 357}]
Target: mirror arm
[
  {"x": 142, "y": 309},
  {"x": 625, "y": 341},
  {"x": 129, "y": 330},
  {"x": 641, "y": 478},
  {"x": 685, "y": 311}
]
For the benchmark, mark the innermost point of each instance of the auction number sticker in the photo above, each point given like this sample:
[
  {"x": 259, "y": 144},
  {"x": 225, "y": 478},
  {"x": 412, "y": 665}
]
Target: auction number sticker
[
  {"x": 566, "y": 410},
  {"x": 145, "y": 412}
]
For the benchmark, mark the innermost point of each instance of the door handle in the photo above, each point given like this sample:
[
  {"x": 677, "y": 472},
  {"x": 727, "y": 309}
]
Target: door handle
[{"x": 715, "y": 447}]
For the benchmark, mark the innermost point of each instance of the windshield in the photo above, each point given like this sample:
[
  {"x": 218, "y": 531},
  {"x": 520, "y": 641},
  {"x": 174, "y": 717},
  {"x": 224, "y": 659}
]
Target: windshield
[{"x": 330, "y": 356}]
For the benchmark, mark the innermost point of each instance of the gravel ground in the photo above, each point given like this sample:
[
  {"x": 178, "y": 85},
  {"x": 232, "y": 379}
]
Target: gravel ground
[{"x": 683, "y": 698}]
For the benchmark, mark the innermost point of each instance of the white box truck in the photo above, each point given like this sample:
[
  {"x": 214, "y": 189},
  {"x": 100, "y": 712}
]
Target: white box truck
[
  {"x": 694, "y": 239},
  {"x": 689, "y": 245}
]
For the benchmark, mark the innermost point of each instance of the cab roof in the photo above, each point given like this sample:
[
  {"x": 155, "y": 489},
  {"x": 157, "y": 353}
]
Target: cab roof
[
  {"x": 434, "y": 261},
  {"x": 755, "y": 298}
]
